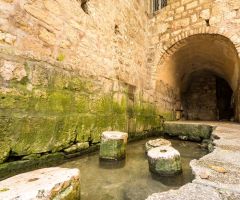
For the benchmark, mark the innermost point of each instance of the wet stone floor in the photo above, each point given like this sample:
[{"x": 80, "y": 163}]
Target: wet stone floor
[{"x": 130, "y": 179}]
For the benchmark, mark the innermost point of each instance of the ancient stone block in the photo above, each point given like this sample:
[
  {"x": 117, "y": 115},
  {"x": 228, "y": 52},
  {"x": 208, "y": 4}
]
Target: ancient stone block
[
  {"x": 113, "y": 145},
  {"x": 191, "y": 130},
  {"x": 180, "y": 9},
  {"x": 181, "y": 23},
  {"x": 205, "y": 14},
  {"x": 47, "y": 36},
  {"x": 47, "y": 183},
  {"x": 192, "y": 5},
  {"x": 12, "y": 70}
]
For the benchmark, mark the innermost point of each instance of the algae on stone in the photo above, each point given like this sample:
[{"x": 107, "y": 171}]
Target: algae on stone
[
  {"x": 77, "y": 147},
  {"x": 4, "y": 151},
  {"x": 113, "y": 145},
  {"x": 192, "y": 131},
  {"x": 43, "y": 134},
  {"x": 164, "y": 161},
  {"x": 113, "y": 150}
]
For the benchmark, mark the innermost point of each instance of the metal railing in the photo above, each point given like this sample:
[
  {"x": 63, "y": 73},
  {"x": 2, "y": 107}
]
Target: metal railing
[{"x": 158, "y": 4}]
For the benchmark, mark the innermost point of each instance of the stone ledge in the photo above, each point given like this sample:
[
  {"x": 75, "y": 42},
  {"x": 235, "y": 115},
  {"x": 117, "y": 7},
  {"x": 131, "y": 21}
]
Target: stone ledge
[
  {"x": 188, "y": 192},
  {"x": 47, "y": 183},
  {"x": 194, "y": 132}
]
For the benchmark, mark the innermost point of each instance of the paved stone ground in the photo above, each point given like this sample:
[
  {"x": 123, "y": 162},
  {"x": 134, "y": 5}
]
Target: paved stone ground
[{"x": 217, "y": 175}]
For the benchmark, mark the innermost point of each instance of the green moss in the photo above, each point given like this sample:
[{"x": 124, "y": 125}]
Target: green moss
[
  {"x": 54, "y": 102},
  {"x": 103, "y": 105},
  {"x": 32, "y": 157},
  {"x": 42, "y": 134},
  {"x": 85, "y": 127},
  {"x": 60, "y": 57},
  {"x": 189, "y": 130},
  {"x": 14, "y": 100},
  {"x": 113, "y": 149},
  {"x": 119, "y": 122},
  {"x": 4, "y": 151},
  {"x": 167, "y": 116},
  {"x": 147, "y": 117},
  {"x": 24, "y": 80},
  {"x": 60, "y": 101},
  {"x": 102, "y": 123},
  {"x": 166, "y": 167},
  {"x": 11, "y": 168},
  {"x": 63, "y": 80},
  {"x": 4, "y": 189},
  {"x": 77, "y": 84},
  {"x": 81, "y": 103},
  {"x": 65, "y": 132},
  {"x": 59, "y": 80}
]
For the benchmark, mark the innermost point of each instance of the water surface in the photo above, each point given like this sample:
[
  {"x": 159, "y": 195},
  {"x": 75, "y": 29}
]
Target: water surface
[{"x": 130, "y": 179}]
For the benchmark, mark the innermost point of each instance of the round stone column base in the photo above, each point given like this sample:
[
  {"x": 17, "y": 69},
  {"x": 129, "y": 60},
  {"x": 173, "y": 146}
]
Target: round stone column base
[{"x": 164, "y": 161}]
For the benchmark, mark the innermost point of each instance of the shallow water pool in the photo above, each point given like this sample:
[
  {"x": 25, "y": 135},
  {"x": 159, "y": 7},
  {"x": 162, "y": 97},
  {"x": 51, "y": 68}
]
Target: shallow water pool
[{"x": 130, "y": 179}]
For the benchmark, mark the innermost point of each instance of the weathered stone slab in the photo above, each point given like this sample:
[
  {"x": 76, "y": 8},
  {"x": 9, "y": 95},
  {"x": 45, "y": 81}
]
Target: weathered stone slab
[
  {"x": 47, "y": 183},
  {"x": 222, "y": 168},
  {"x": 190, "y": 130},
  {"x": 188, "y": 192}
]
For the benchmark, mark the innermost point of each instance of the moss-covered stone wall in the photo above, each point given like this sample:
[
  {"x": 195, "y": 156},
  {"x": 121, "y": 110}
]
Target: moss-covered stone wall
[
  {"x": 69, "y": 72},
  {"x": 45, "y": 109}
]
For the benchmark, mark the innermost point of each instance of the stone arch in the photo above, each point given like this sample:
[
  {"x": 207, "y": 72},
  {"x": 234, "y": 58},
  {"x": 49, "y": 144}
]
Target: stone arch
[
  {"x": 176, "y": 42},
  {"x": 222, "y": 58}
]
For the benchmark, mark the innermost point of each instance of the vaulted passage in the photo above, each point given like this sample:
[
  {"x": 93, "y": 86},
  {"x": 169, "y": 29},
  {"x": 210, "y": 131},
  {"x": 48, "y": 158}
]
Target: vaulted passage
[
  {"x": 207, "y": 97},
  {"x": 203, "y": 73}
]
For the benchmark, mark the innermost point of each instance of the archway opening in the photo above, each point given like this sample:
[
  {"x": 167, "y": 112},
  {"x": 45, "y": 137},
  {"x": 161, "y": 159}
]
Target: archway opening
[{"x": 201, "y": 74}]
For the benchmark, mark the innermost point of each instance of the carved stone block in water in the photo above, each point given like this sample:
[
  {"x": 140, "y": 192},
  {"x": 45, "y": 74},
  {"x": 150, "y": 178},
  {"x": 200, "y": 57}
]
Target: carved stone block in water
[
  {"x": 113, "y": 145},
  {"x": 164, "y": 161},
  {"x": 156, "y": 143}
]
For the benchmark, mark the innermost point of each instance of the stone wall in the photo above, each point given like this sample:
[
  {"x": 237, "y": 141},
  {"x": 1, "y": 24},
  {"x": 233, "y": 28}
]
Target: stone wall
[{"x": 199, "y": 100}]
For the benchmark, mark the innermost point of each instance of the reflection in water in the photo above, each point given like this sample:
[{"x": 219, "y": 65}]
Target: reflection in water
[
  {"x": 104, "y": 164},
  {"x": 130, "y": 179}
]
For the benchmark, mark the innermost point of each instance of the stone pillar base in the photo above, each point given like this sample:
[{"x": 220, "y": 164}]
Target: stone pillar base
[
  {"x": 113, "y": 145},
  {"x": 164, "y": 161}
]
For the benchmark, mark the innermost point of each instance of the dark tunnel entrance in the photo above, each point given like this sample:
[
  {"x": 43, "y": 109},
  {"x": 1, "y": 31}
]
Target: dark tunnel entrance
[{"x": 207, "y": 97}]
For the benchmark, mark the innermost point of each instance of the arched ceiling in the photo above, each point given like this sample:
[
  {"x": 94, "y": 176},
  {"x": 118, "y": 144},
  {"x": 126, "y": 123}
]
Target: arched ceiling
[{"x": 214, "y": 53}]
